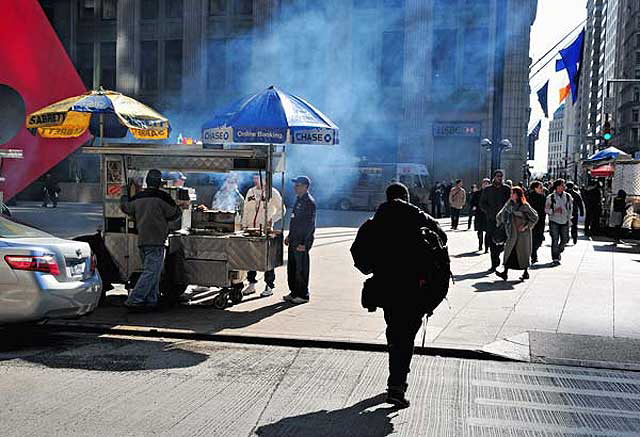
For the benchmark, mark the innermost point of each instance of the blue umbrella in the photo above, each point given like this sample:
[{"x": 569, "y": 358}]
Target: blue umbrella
[
  {"x": 270, "y": 117},
  {"x": 608, "y": 153}
]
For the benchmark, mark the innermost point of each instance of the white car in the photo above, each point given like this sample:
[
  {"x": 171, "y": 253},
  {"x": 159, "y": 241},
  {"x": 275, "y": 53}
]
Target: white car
[{"x": 44, "y": 277}]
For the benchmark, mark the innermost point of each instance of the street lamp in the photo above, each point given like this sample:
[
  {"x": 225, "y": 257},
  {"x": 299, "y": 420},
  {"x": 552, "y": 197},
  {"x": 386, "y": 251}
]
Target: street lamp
[{"x": 496, "y": 151}]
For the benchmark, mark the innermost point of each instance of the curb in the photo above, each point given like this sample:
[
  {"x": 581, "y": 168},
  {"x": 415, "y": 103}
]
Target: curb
[{"x": 143, "y": 331}]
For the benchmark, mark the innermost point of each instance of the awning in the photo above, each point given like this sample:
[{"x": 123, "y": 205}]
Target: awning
[{"x": 603, "y": 171}]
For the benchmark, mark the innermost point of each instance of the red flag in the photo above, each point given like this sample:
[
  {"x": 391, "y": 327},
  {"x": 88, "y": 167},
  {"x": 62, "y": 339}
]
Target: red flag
[
  {"x": 564, "y": 92},
  {"x": 36, "y": 66}
]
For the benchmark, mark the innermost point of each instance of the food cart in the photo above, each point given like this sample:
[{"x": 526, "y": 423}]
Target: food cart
[{"x": 205, "y": 248}]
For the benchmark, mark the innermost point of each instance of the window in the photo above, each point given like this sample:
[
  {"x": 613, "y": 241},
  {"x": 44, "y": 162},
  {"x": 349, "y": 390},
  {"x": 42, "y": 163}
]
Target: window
[
  {"x": 85, "y": 63},
  {"x": 635, "y": 115},
  {"x": 443, "y": 58},
  {"x": 216, "y": 64},
  {"x": 173, "y": 64},
  {"x": 636, "y": 94},
  {"x": 476, "y": 58},
  {"x": 637, "y": 58},
  {"x": 173, "y": 8},
  {"x": 87, "y": 8},
  {"x": 637, "y": 39},
  {"x": 240, "y": 61},
  {"x": 393, "y": 58},
  {"x": 217, "y": 7},
  {"x": 365, "y": 4},
  {"x": 634, "y": 135},
  {"x": 243, "y": 7},
  {"x": 108, "y": 65},
  {"x": 149, "y": 9},
  {"x": 149, "y": 69},
  {"x": 109, "y": 9}
]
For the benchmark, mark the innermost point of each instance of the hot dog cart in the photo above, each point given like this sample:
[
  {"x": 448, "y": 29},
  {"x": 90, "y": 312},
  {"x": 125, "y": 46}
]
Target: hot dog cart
[{"x": 205, "y": 248}]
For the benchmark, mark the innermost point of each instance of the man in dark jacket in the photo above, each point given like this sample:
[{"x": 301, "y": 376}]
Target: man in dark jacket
[
  {"x": 152, "y": 210},
  {"x": 399, "y": 269},
  {"x": 578, "y": 209},
  {"x": 492, "y": 200},
  {"x": 300, "y": 239},
  {"x": 537, "y": 199},
  {"x": 593, "y": 207}
]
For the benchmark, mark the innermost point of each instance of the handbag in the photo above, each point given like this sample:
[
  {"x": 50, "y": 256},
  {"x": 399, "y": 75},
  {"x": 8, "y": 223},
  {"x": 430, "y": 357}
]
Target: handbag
[
  {"x": 500, "y": 235},
  {"x": 371, "y": 295}
]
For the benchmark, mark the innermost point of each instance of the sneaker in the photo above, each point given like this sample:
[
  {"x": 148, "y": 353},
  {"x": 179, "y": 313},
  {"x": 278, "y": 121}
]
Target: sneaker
[
  {"x": 268, "y": 291},
  {"x": 249, "y": 289},
  {"x": 288, "y": 298},
  {"x": 397, "y": 398},
  {"x": 299, "y": 300}
]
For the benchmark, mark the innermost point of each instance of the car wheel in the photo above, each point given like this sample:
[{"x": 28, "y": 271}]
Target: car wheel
[
  {"x": 344, "y": 205},
  {"x": 236, "y": 296}
]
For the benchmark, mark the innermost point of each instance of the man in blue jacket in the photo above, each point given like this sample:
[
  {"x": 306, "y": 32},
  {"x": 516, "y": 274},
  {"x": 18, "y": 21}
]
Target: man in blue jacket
[{"x": 300, "y": 240}]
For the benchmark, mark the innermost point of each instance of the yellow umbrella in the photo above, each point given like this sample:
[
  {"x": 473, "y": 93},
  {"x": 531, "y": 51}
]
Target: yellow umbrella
[{"x": 105, "y": 113}]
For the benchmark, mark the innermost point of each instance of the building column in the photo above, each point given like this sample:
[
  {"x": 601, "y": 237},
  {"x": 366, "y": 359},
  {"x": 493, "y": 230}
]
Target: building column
[
  {"x": 128, "y": 47},
  {"x": 194, "y": 48}
]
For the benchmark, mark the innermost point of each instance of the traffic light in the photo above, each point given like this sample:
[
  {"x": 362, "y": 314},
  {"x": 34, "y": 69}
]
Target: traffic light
[{"x": 607, "y": 132}]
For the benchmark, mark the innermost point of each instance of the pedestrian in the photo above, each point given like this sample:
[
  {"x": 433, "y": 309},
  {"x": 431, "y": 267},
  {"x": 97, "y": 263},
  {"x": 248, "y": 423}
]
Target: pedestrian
[
  {"x": 593, "y": 207},
  {"x": 457, "y": 201},
  {"x": 474, "y": 202},
  {"x": 436, "y": 200},
  {"x": 618, "y": 213},
  {"x": 481, "y": 218},
  {"x": 578, "y": 209},
  {"x": 492, "y": 200},
  {"x": 50, "y": 191},
  {"x": 537, "y": 200},
  {"x": 518, "y": 218},
  {"x": 254, "y": 217},
  {"x": 559, "y": 208},
  {"x": 398, "y": 270},
  {"x": 152, "y": 209},
  {"x": 300, "y": 240},
  {"x": 446, "y": 190}
]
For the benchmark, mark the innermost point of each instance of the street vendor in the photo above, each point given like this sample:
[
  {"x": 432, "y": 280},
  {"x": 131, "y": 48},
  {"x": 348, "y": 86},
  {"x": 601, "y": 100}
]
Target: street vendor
[
  {"x": 253, "y": 217},
  {"x": 152, "y": 209}
]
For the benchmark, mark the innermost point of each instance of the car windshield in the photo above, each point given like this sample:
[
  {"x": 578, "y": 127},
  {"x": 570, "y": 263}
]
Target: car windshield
[{"x": 11, "y": 229}]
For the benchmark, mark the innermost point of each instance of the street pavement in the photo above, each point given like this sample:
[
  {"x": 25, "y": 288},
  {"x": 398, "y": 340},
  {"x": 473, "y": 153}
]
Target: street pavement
[
  {"x": 57, "y": 384},
  {"x": 592, "y": 295}
]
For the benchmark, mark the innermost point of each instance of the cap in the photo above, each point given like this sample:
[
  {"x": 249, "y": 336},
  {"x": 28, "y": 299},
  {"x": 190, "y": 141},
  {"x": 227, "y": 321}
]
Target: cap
[{"x": 304, "y": 180}]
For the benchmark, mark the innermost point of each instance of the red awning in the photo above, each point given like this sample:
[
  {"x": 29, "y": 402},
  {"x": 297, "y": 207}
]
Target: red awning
[{"x": 603, "y": 171}]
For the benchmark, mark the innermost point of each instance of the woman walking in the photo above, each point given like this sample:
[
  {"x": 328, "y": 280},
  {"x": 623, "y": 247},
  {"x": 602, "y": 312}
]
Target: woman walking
[
  {"x": 518, "y": 218},
  {"x": 481, "y": 218}
]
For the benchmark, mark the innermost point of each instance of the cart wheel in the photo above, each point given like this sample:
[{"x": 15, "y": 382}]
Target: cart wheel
[
  {"x": 220, "y": 302},
  {"x": 236, "y": 296},
  {"x": 344, "y": 205}
]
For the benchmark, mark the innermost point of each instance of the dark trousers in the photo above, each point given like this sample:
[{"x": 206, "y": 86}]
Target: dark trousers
[
  {"x": 574, "y": 229},
  {"x": 592, "y": 221},
  {"x": 403, "y": 323},
  {"x": 269, "y": 278},
  {"x": 298, "y": 272},
  {"x": 436, "y": 209},
  {"x": 536, "y": 242},
  {"x": 471, "y": 217},
  {"x": 483, "y": 237},
  {"x": 493, "y": 247},
  {"x": 455, "y": 217}
]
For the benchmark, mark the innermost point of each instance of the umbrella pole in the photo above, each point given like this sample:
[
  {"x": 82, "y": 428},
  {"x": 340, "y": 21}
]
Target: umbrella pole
[{"x": 101, "y": 128}]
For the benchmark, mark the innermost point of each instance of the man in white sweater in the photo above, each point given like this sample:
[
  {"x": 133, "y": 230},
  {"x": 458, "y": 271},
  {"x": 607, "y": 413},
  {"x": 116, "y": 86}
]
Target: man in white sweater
[
  {"x": 253, "y": 216},
  {"x": 559, "y": 208}
]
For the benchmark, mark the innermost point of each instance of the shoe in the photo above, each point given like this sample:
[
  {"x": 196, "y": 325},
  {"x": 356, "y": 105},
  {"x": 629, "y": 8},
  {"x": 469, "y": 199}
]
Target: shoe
[
  {"x": 480, "y": 248},
  {"x": 268, "y": 291},
  {"x": 139, "y": 308},
  {"x": 299, "y": 300},
  {"x": 249, "y": 289},
  {"x": 397, "y": 398},
  {"x": 534, "y": 259},
  {"x": 524, "y": 276},
  {"x": 575, "y": 242},
  {"x": 556, "y": 262},
  {"x": 288, "y": 298},
  {"x": 502, "y": 275},
  {"x": 486, "y": 251}
]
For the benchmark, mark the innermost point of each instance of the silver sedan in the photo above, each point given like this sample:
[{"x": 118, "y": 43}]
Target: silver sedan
[{"x": 44, "y": 277}]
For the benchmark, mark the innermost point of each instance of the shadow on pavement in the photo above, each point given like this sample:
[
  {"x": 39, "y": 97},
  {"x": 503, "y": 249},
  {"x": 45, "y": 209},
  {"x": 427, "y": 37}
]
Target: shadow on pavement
[
  {"x": 476, "y": 275},
  {"x": 468, "y": 254},
  {"x": 351, "y": 421},
  {"x": 499, "y": 285},
  {"x": 620, "y": 247},
  {"x": 88, "y": 352}
]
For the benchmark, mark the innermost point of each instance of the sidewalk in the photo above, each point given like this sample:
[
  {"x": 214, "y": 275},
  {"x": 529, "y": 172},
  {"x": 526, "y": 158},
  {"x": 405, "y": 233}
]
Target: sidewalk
[{"x": 594, "y": 292}]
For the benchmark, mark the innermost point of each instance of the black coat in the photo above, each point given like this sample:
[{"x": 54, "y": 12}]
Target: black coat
[
  {"x": 481, "y": 219},
  {"x": 493, "y": 199},
  {"x": 537, "y": 202},
  {"x": 578, "y": 205}
]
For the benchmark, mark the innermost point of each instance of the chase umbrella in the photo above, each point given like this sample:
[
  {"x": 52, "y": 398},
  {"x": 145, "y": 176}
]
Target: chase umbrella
[
  {"x": 270, "y": 117},
  {"x": 105, "y": 113}
]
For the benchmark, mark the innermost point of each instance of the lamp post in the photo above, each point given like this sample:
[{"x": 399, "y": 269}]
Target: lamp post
[{"x": 496, "y": 151}]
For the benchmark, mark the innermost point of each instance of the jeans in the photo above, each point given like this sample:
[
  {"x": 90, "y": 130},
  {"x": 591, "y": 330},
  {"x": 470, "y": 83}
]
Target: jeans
[
  {"x": 455, "y": 217},
  {"x": 147, "y": 288},
  {"x": 403, "y": 323},
  {"x": 269, "y": 278},
  {"x": 559, "y": 238},
  {"x": 298, "y": 272},
  {"x": 493, "y": 247}
]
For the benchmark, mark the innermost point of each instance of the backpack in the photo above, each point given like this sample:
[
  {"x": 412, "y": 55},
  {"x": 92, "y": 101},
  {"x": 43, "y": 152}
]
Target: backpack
[{"x": 437, "y": 270}]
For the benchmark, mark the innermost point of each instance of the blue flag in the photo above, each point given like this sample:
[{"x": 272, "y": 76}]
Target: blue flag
[
  {"x": 534, "y": 135},
  {"x": 572, "y": 59},
  {"x": 542, "y": 98},
  {"x": 559, "y": 65}
]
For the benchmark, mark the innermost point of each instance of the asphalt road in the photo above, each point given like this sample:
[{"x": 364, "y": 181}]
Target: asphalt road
[{"x": 60, "y": 384}]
